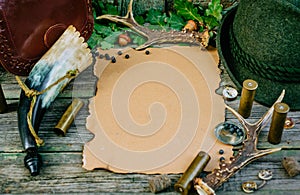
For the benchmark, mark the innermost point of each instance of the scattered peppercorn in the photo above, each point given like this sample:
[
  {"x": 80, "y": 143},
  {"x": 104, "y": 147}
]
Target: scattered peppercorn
[
  {"x": 120, "y": 53},
  {"x": 147, "y": 52},
  {"x": 101, "y": 56},
  {"x": 113, "y": 59},
  {"x": 96, "y": 53},
  {"x": 127, "y": 56},
  {"x": 107, "y": 57},
  {"x": 221, "y": 151},
  {"x": 222, "y": 159}
]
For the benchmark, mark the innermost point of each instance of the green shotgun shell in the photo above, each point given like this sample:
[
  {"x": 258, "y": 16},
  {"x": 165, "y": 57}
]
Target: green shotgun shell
[
  {"x": 196, "y": 167},
  {"x": 68, "y": 117},
  {"x": 3, "y": 104},
  {"x": 247, "y": 97},
  {"x": 277, "y": 123}
]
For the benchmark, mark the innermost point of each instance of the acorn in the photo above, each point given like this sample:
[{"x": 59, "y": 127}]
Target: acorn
[
  {"x": 124, "y": 39},
  {"x": 191, "y": 25}
]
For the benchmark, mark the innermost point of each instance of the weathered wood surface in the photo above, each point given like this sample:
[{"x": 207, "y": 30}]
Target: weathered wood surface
[{"x": 62, "y": 156}]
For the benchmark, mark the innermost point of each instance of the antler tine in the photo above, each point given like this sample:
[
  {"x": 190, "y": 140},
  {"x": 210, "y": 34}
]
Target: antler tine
[
  {"x": 239, "y": 117},
  {"x": 246, "y": 154},
  {"x": 263, "y": 121},
  {"x": 129, "y": 11},
  {"x": 127, "y": 20},
  {"x": 261, "y": 153},
  {"x": 158, "y": 37}
]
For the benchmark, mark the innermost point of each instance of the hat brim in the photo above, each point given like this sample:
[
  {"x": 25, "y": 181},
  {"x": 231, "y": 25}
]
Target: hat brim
[{"x": 268, "y": 90}]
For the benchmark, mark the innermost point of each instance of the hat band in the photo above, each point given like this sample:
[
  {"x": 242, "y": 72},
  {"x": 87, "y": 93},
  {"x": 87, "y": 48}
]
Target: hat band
[{"x": 276, "y": 73}]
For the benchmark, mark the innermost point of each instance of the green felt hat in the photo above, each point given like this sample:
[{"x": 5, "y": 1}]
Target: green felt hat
[{"x": 260, "y": 40}]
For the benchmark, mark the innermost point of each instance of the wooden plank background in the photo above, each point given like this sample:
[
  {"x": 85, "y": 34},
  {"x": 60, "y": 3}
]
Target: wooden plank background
[{"x": 62, "y": 156}]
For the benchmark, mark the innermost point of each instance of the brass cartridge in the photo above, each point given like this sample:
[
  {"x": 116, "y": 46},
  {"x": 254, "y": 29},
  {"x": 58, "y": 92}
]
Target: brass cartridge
[
  {"x": 247, "y": 97},
  {"x": 68, "y": 117},
  {"x": 196, "y": 167},
  {"x": 277, "y": 123},
  {"x": 3, "y": 104}
]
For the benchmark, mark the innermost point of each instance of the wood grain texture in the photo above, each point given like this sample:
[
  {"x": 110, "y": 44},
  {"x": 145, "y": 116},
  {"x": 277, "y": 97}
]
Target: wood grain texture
[{"x": 62, "y": 156}]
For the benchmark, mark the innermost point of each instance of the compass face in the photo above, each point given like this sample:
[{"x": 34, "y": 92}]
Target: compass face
[
  {"x": 154, "y": 111},
  {"x": 230, "y": 93}
]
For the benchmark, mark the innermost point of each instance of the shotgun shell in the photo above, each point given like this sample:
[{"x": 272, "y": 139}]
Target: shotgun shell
[
  {"x": 277, "y": 123},
  {"x": 196, "y": 167},
  {"x": 247, "y": 97},
  {"x": 68, "y": 117},
  {"x": 3, "y": 104}
]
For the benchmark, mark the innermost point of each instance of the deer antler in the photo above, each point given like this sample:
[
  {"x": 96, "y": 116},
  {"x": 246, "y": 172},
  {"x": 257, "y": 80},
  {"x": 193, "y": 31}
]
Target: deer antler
[
  {"x": 157, "y": 37},
  {"x": 247, "y": 154}
]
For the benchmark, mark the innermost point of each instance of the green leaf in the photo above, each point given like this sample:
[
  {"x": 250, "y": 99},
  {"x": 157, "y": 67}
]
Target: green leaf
[
  {"x": 211, "y": 22},
  {"x": 138, "y": 40},
  {"x": 109, "y": 41},
  {"x": 109, "y": 8},
  {"x": 113, "y": 37},
  {"x": 101, "y": 5},
  {"x": 106, "y": 45},
  {"x": 94, "y": 40},
  {"x": 139, "y": 19},
  {"x": 214, "y": 9},
  {"x": 155, "y": 17},
  {"x": 175, "y": 22},
  {"x": 187, "y": 10},
  {"x": 102, "y": 30}
]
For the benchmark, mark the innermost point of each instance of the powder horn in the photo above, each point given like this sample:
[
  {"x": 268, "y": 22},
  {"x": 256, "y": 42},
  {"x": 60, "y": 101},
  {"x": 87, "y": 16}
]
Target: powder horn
[{"x": 58, "y": 66}]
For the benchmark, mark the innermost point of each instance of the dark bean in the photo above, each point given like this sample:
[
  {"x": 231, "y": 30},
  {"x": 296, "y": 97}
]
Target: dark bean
[
  {"x": 147, "y": 52},
  {"x": 113, "y": 59},
  {"x": 107, "y": 57},
  {"x": 127, "y": 56}
]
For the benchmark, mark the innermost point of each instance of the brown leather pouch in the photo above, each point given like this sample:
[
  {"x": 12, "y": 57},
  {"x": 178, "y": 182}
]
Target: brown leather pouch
[{"x": 28, "y": 28}]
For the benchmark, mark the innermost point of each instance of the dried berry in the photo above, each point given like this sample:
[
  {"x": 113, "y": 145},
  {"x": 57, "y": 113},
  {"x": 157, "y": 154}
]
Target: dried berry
[
  {"x": 191, "y": 25},
  {"x": 124, "y": 39},
  {"x": 221, "y": 151}
]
